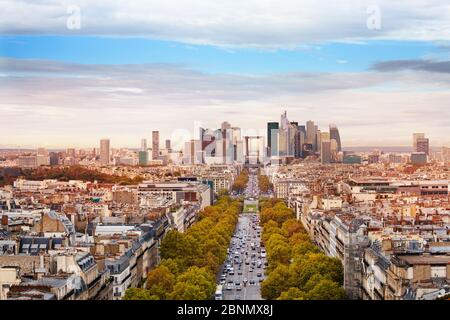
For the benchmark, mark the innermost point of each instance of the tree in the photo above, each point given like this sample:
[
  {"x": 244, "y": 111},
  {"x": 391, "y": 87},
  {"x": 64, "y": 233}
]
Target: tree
[
  {"x": 160, "y": 282},
  {"x": 291, "y": 227},
  {"x": 199, "y": 279},
  {"x": 240, "y": 182},
  {"x": 264, "y": 183},
  {"x": 302, "y": 248},
  {"x": 173, "y": 245},
  {"x": 172, "y": 265},
  {"x": 187, "y": 291},
  {"x": 305, "y": 267},
  {"x": 276, "y": 282},
  {"x": 139, "y": 294},
  {"x": 326, "y": 289},
  {"x": 278, "y": 250},
  {"x": 299, "y": 238},
  {"x": 292, "y": 294}
]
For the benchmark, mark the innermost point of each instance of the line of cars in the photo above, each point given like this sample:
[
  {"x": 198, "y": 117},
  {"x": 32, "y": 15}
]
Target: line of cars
[{"x": 246, "y": 261}]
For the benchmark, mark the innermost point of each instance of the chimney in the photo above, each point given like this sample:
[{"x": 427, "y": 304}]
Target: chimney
[{"x": 4, "y": 220}]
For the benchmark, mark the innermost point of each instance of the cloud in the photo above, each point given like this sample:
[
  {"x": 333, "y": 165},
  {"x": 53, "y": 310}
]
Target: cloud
[
  {"x": 234, "y": 23},
  {"x": 61, "y": 104},
  {"x": 419, "y": 65}
]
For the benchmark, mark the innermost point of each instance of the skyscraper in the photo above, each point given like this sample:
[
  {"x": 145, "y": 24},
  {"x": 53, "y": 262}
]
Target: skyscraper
[
  {"x": 311, "y": 133},
  {"x": 325, "y": 148},
  {"x": 286, "y": 137},
  {"x": 143, "y": 157},
  {"x": 417, "y": 136},
  {"x": 143, "y": 144},
  {"x": 423, "y": 145},
  {"x": 104, "y": 151},
  {"x": 302, "y": 134},
  {"x": 168, "y": 146},
  {"x": 334, "y": 135},
  {"x": 272, "y": 138},
  {"x": 297, "y": 140},
  {"x": 155, "y": 145}
]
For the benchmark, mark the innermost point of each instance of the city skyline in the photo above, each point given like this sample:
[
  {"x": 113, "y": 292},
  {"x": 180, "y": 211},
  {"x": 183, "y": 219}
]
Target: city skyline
[{"x": 242, "y": 150}]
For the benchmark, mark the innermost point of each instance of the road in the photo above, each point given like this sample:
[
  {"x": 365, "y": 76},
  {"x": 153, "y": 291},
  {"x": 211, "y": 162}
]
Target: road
[{"x": 243, "y": 270}]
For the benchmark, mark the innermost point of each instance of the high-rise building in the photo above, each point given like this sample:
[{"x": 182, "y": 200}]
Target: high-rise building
[
  {"x": 70, "y": 152},
  {"x": 155, "y": 145},
  {"x": 419, "y": 158},
  {"x": 417, "y": 136},
  {"x": 302, "y": 134},
  {"x": 319, "y": 140},
  {"x": 286, "y": 137},
  {"x": 144, "y": 144},
  {"x": 225, "y": 125},
  {"x": 42, "y": 152},
  {"x": 54, "y": 158},
  {"x": 104, "y": 151},
  {"x": 311, "y": 133},
  {"x": 272, "y": 138},
  {"x": 240, "y": 151},
  {"x": 325, "y": 147},
  {"x": 193, "y": 153},
  {"x": 143, "y": 157},
  {"x": 334, "y": 135},
  {"x": 168, "y": 145},
  {"x": 297, "y": 140},
  {"x": 423, "y": 145},
  {"x": 28, "y": 161},
  {"x": 325, "y": 152}
]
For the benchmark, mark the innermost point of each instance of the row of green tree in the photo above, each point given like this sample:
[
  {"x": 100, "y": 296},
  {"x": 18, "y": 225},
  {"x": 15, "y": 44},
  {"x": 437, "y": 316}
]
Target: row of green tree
[
  {"x": 240, "y": 183},
  {"x": 191, "y": 260},
  {"x": 297, "y": 270},
  {"x": 264, "y": 183},
  {"x": 66, "y": 174}
]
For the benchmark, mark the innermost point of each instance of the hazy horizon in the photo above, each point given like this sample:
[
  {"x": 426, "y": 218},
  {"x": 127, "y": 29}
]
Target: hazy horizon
[{"x": 76, "y": 71}]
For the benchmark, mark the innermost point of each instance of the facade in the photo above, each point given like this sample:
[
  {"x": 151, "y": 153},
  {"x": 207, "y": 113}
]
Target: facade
[
  {"x": 423, "y": 145},
  {"x": 143, "y": 158},
  {"x": 272, "y": 138},
  {"x": 28, "y": 162},
  {"x": 104, "y": 152},
  {"x": 419, "y": 158},
  {"x": 334, "y": 135},
  {"x": 155, "y": 145}
]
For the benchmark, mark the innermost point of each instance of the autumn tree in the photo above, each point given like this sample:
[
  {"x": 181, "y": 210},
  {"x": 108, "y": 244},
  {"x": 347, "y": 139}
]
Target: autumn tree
[
  {"x": 276, "y": 282},
  {"x": 139, "y": 294},
  {"x": 160, "y": 281}
]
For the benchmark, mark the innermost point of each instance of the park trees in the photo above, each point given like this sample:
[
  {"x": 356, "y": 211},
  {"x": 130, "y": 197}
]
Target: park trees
[
  {"x": 297, "y": 269},
  {"x": 160, "y": 281},
  {"x": 264, "y": 183},
  {"x": 240, "y": 182},
  {"x": 139, "y": 294},
  {"x": 190, "y": 260}
]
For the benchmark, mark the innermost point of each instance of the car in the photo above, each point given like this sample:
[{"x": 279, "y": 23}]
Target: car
[
  {"x": 222, "y": 281},
  {"x": 229, "y": 287},
  {"x": 238, "y": 288},
  {"x": 237, "y": 297},
  {"x": 259, "y": 274},
  {"x": 245, "y": 280},
  {"x": 240, "y": 272},
  {"x": 250, "y": 270},
  {"x": 252, "y": 282},
  {"x": 231, "y": 273},
  {"x": 260, "y": 279}
]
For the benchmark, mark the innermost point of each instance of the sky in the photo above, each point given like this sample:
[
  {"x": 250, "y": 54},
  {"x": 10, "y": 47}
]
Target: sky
[{"x": 73, "y": 72}]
